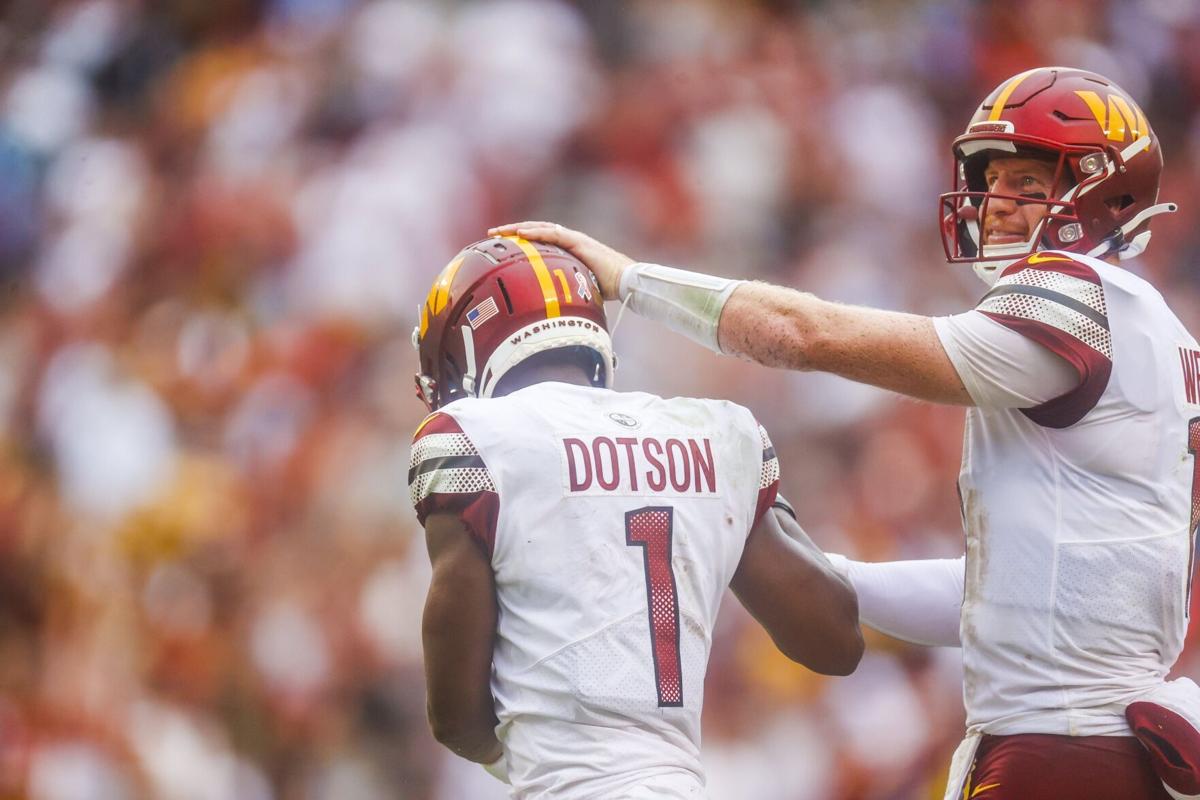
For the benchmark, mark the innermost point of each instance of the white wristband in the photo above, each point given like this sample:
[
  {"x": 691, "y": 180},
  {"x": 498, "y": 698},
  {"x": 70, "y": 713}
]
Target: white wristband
[{"x": 689, "y": 303}]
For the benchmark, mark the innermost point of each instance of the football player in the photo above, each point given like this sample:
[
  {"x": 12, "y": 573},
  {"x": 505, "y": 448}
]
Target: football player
[
  {"x": 582, "y": 539},
  {"x": 1079, "y": 486}
]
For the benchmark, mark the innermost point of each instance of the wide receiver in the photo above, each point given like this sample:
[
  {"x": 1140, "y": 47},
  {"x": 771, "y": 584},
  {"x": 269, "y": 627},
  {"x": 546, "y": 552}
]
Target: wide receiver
[
  {"x": 1079, "y": 486},
  {"x": 582, "y": 539}
]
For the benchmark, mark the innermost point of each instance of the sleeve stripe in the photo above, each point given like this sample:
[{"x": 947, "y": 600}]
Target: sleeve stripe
[
  {"x": 770, "y": 462},
  {"x": 1085, "y": 286},
  {"x": 445, "y": 462},
  {"x": 451, "y": 481},
  {"x": 1059, "y": 304},
  {"x": 768, "y": 481},
  {"x": 436, "y": 445},
  {"x": 770, "y": 473},
  {"x": 447, "y": 474},
  {"x": 1051, "y": 314},
  {"x": 1093, "y": 365},
  {"x": 1053, "y": 296}
]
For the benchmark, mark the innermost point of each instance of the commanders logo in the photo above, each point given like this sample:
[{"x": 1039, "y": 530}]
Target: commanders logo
[
  {"x": 1117, "y": 116},
  {"x": 624, "y": 420}
]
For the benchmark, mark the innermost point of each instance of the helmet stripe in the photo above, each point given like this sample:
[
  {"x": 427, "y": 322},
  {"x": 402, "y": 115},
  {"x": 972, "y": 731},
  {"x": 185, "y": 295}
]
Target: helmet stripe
[
  {"x": 549, "y": 293},
  {"x": 998, "y": 109}
]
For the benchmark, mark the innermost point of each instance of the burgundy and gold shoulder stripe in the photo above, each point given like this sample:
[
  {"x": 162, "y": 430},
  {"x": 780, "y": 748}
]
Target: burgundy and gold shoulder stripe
[
  {"x": 768, "y": 481},
  {"x": 447, "y": 473},
  {"x": 1059, "y": 303}
]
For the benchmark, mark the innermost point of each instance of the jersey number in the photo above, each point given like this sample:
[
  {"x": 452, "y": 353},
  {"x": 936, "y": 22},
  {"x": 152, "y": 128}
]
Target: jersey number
[
  {"x": 1194, "y": 519},
  {"x": 650, "y": 528}
]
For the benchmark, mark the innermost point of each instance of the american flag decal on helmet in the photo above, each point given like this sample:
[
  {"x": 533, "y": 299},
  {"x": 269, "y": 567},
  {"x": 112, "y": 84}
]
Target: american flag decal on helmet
[{"x": 482, "y": 313}]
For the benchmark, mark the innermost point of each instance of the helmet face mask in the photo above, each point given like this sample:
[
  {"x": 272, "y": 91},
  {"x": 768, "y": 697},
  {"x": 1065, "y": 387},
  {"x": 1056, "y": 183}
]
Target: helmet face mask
[
  {"x": 1055, "y": 225},
  {"x": 497, "y": 303},
  {"x": 1107, "y": 165}
]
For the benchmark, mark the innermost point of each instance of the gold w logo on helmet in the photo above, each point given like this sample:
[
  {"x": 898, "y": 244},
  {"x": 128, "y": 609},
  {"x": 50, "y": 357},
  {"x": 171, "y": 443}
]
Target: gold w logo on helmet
[
  {"x": 1117, "y": 116},
  {"x": 439, "y": 293}
]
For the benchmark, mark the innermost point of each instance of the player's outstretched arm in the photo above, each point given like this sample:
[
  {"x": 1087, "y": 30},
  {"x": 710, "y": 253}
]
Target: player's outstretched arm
[
  {"x": 459, "y": 631},
  {"x": 795, "y": 593},
  {"x": 773, "y": 325},
  {"x": 781, "y": 327}
]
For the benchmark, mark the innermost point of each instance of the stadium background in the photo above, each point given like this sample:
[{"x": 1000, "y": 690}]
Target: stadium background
[{"x": 217, "y": 218}]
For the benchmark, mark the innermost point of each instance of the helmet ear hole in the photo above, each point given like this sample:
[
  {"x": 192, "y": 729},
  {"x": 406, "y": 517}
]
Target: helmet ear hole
[
  {"x": 449, "y": 382},
  {"x": 504, "y": 292}
]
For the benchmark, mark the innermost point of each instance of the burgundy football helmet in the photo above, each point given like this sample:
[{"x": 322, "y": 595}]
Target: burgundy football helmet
[
  {"x": 498, "y": 302},
  {"x": 1107, "y": 168}
]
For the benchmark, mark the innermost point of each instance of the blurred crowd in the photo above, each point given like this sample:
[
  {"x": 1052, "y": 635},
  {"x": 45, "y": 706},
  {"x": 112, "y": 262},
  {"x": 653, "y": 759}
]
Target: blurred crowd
[{"x": 217, "y": 218}]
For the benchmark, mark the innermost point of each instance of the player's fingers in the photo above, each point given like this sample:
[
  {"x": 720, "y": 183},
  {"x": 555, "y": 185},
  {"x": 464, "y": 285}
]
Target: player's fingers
[
  {"x": 548, "y": 232},
  {"x": 510, "y": 228},
  {"x": 604, "y": 262},
  {"x": 574, "y": 241},
  {"x": 553, "y": 234}
]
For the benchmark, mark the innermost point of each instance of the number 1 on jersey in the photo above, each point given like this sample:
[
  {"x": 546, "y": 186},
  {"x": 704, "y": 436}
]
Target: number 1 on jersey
[{"x": 650, "y": 528}]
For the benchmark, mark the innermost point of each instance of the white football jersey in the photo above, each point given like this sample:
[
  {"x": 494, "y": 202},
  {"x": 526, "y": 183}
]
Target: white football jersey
[
  {"x": 1079, "y": 513},
  {"x": 615, "y": 521}
]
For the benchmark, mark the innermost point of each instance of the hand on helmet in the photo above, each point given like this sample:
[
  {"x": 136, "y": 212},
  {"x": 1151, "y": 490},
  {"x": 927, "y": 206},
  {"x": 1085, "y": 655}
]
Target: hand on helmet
[{"x": 604, "y": 262}]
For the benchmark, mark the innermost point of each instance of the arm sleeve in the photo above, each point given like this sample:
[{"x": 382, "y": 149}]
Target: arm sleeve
[
  {"x": 446, "y": 473},
  {"x": 916, "y": 601},
  {"x": 1000, "y": 367},
  {"x": 689, "y": 303}
]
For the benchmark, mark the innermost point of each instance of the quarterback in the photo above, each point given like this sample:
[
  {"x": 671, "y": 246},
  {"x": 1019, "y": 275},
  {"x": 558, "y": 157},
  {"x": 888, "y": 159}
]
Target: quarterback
[
  {"x": 1079, "y": 487},
  {"x": 582, "y": 540}
]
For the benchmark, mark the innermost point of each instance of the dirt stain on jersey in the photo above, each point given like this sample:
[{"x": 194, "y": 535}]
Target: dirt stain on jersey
[{"x": 975, "y": 529}]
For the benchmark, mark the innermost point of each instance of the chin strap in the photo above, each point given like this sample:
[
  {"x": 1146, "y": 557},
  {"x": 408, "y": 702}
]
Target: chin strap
[
  {"x": 989, "y": 271},
  {"x": 1135, "y": 246},
  {"x": 612, "y": 332},
  {"x": 468, "y": 378}
]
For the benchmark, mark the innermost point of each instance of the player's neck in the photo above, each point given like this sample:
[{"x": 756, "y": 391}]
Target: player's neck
[{"x": 558, "y": 373}]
